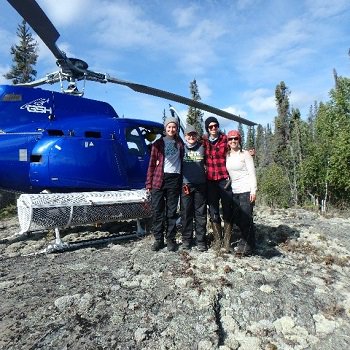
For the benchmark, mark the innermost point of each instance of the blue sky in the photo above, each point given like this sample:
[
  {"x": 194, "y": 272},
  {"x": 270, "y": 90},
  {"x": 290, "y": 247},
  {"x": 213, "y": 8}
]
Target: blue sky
[{"x": 238, "y": 51}]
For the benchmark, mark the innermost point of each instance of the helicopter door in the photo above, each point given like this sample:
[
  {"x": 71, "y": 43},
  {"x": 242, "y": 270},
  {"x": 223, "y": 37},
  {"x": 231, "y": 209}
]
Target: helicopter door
[{"x": 137, "y": 157}]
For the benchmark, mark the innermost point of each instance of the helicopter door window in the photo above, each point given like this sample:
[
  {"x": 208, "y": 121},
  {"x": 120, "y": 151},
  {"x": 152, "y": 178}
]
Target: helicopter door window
[{"x": 134, "y": 142}]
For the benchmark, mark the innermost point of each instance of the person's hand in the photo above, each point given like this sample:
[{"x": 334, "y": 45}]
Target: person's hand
[{"x": 252, "y": 198}]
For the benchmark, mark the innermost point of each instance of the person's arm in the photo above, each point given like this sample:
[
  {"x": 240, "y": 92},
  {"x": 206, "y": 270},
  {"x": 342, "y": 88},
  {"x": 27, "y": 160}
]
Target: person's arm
[
  {"x": 151, "y": 166},
  {"x": 252, "y": 175}
]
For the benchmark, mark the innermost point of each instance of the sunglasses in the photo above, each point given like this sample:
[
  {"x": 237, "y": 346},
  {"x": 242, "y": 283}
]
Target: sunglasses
[
  {"x": 212, "y": 126},
  {"x": 233, "y": 138}
]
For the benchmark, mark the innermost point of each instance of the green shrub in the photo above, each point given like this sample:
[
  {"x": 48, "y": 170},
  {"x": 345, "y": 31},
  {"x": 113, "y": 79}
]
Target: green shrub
[{"x": 273, "y": 187}]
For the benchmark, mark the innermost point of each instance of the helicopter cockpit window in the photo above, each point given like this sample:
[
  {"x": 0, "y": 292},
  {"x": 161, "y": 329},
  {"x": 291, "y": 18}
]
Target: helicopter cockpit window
[
  {"x": 93, "y": 134},
  {"x": 135, "y": 142},
  {"x": 150, "y": 135}
]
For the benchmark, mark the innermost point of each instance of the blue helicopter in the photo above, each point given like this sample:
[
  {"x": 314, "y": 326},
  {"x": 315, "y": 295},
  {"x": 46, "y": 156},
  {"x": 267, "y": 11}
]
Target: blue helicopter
[{"x": 63, "y": 142}]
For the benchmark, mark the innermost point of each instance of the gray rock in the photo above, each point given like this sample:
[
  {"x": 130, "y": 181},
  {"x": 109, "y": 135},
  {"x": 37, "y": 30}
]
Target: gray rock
[{"x": 293, "y": 294}]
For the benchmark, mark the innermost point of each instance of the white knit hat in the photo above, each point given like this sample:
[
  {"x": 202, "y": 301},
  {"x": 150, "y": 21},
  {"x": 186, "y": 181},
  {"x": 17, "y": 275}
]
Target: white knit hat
[{"x": 171, "y": 120}]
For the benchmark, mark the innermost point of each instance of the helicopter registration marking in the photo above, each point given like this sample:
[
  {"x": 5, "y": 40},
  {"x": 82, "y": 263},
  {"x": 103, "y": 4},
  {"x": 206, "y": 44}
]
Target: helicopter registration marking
[{"x": 37, "y": 106}]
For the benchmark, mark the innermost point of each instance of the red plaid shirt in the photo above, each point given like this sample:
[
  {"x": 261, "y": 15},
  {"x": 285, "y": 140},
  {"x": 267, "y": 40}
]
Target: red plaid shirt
[
  {"x": 216, "y": 158},
  {"x": 155, "y": 172}
]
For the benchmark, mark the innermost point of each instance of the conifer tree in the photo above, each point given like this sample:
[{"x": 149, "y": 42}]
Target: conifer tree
[
  {"x": 326, "y": 169},
  {"x": 24, "y": 57},
  {"x": 281, "y": 121},
  {"x": 260, "y": 150},
  {"x": 194, "y": 115},
  {"x": 241, "y": 131},
  {"x": 250, "y": 142}
]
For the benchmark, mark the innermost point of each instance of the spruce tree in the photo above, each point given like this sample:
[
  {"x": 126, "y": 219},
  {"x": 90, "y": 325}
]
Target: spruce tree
[
  {"x": 281, "y": 122},
  {"x": 326, "y": 170},
  {"x": 250, "y": 141},
  {"x": 241, "y": 131},
  {"x": 24, "y": 57},
  {"x": 260, "y": 143},
  {"x": 194, "y": 115}
]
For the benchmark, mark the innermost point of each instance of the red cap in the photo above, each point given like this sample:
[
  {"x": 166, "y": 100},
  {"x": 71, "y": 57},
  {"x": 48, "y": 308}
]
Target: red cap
[{"x": 234, "y": 133}]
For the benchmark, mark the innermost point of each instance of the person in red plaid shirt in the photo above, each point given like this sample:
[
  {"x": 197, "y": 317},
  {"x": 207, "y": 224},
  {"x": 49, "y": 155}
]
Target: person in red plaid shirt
[
  {"x": 219, "y": 188},
  {"x": 164, "y": 181}
]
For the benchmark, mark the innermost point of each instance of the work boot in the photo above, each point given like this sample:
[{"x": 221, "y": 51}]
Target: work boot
[
  {"x": 171, "y": 245},
  {"x": 217, "y": 235},
  {"x": 201, "y": 246},
  {"x": 243, "y": 248},
  {"x": 157, "y": 245},
  {"x": 227, "y": 237},
  {"x": 186, "y": 245}
]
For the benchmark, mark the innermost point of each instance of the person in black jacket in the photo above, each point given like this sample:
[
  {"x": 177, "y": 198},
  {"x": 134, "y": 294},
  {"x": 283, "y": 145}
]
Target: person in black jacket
[{"x": 194, "y": 192}]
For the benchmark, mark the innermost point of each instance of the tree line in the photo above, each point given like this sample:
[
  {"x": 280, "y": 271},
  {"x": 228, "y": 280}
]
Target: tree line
[{"x": 299, "y": 162}]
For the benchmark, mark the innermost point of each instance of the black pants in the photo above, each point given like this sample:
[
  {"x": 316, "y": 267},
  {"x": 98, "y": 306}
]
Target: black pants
[
  {"x": 194, "y": 207},
  {"x": 164, "y": 207},
  {"x": 216, "y": 193},
  {"x": 243, "y": 216}
]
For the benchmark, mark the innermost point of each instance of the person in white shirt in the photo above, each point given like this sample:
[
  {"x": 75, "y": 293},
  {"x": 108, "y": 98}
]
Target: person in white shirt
[{"x": 241, "y": 168}]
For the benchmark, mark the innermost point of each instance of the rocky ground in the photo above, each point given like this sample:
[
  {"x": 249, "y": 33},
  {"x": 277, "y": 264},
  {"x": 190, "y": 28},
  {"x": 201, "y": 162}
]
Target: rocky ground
[{"x": 294, "y": 294}]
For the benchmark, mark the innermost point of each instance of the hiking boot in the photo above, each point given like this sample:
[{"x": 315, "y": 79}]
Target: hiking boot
[
  {"x": 217, "y": 235},
  {"x": 157, "y": 245},
  {"x": 226, "y": 247},
  {"x": 186, "y": 245},
  {"x": 243, "y": 248},
  {"x": 171, "y": 245},
  {"x": 202, "y": 247}
]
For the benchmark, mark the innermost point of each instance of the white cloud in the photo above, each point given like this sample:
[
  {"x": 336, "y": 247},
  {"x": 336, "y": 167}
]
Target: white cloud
[
  {"x": 261, "y": 100},
  {"x": 323, "y": 8},
  {"x": 6, "y": 41},
  {"x": 276, "y": 48},
  {"x": 236, "y": 111},
  {"x": 67, "y": 12},
  {"x": 120, "y": 25},
  {"x": 243, "y": 4},
  {"x": 204, "y": 89},
  {"x": 4, "y": 70},
  {"x": 184, "y": 17}
]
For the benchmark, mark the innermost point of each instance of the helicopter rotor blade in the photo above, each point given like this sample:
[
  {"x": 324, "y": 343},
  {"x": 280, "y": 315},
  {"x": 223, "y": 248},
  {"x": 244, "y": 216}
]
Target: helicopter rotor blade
[
  {"x": 40, "y": 23},
  {"x": 180, "y": 99}
]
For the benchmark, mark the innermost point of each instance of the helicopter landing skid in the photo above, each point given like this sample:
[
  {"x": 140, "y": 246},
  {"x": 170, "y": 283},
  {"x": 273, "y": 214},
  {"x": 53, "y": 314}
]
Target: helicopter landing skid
[{"x": 59, "y": 246}]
